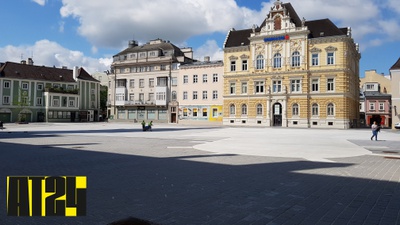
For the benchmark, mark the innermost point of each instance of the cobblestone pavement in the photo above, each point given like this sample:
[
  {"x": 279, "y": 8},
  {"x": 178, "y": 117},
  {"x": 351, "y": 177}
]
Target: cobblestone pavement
[{"x": 182, "y": 175}]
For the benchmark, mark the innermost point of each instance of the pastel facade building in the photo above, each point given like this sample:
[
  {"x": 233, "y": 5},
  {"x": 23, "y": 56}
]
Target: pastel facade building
[
  {"x": 143, "y": 80},
  {"x": 200, "y": 86},
  {"x": 395, "y": 85},
  {"x": 290, "y": 72},
  {"x": 30, "y": 93}
]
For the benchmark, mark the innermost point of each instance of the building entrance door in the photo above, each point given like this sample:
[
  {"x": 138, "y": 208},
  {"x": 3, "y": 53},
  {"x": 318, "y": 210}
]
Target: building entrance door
[{"x": 277, "y": 109}]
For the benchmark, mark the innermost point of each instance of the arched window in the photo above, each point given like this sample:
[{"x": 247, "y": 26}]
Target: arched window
[
  {"x": 259, "y": 110},
  {"x": 260, "y": 62},
  {"x": 232, "y": 109},
  {"x": 244, "y": 109},
  {"x": 295, "y": 109},
  {"x": 330, "y": 109},
  {"x": 296, "y": 59},
  {"x": 277, "y": 60},
  {"x": 315, "y": 109}
]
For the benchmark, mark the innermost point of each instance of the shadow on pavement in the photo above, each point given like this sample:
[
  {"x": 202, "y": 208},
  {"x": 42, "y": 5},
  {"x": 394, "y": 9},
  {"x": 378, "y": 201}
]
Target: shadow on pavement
[{"x": 178, "y": 191}]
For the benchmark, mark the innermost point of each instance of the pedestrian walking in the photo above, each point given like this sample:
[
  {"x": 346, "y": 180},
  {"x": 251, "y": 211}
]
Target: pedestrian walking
[
  {"x": 143, "y": 125},
  {"x": 375, "y": 129}
]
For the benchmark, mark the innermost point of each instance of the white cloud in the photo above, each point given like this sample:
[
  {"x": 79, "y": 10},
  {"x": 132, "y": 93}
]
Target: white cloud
[
  {"x": 112, "y": 25},
  {"x": 210, "y": 48},
  {"x": 49, "y": 53},
  {"x": 40, "y": 2}
]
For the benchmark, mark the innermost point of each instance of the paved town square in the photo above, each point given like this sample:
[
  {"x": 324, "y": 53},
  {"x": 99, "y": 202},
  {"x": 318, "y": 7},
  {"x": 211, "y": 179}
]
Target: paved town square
[{"x": 193, "y": 174}]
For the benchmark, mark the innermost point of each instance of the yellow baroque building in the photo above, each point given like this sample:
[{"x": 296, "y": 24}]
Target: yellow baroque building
[{"x": 290, "y": 72}]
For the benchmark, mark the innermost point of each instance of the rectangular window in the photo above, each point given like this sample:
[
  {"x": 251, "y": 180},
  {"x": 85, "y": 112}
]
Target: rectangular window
[
  {"x": 315, "y": 85},
  {"x": 6, "y": 100},
  {"x": 39, "y": 101},
  {"x": 141, "y": 97},
  {"x": 330, "y": 84},
  {"x": 204, "y": 78},
  {"x": 195, "y": 79},
  {"x": 131, "y": 97},
  {"x": 381, "y": 106},
  {"x": 371, "y": 106},
  {"x": 215, "y": 94},
  {"x": 185, "y": 79},
  {"x": 141, "y": 83},
  {"x": 215, "y": 113},
  {"x": 40, "y": 87},
  {"x": 151, "y": 82},
  {"x": 295, "y": 85},
  {"x": 174, "y": 81},
  {"x": 233, "y": 65},
  {"x": 244, "y": 65},
  {"x": 151, "y": 96},
  {"x": 315, "y": 59},
  {"x": 204, "y": 95},
  {"x": 244, "y": 87},
  {"x": 232, "y": 88},
  {"x": 185, "y": 95},
  {"x": 259, "y": 86},
  {"x": 71, "y": 103},
  {"x": 276, "y": 86},
  {"x": 132, "y": 83},
  {"x": 56, "y": 102},
  {"x": 330, "y": 58},
  {"x": 215, "y": 77},
  {"x": 194, "y": 95},
  {"x": 25, "y": 86},
  {"x": 7, "y": 84},
  {"x": 194, "y": 112},
  {"x": 205, "y": 112}
]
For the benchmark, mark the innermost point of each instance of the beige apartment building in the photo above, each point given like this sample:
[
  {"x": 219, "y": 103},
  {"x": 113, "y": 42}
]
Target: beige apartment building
[
  {"x": 200, "y": 86},
  {"x": 143, "y": 81},
  {"x": 395, "y": 84},
  {"x": 290, "y": 72}
]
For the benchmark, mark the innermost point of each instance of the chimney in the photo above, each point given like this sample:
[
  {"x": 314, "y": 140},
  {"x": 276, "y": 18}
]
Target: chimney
[
  {"x": 23, "y": 62},
  {"x": 75, "y": 73},
  {"x": 206, "y": 58},
  {"x": 30, "y": 61}
]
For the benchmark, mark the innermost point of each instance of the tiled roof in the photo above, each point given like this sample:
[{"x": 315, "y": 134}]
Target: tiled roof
[
  {"x": 323, "y": 28},
  {"x": 318, "y": 28},
  {"x": 376, "y": 94},
  {"x": 32, "y": 72},
  {"x": 396, "y": 66},
  {"x": 238, "y": 38},
  {"x": 151, "y": 47}
]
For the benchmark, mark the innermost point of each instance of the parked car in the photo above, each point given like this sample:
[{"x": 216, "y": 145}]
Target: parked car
[{"x": 397, "y": 126}]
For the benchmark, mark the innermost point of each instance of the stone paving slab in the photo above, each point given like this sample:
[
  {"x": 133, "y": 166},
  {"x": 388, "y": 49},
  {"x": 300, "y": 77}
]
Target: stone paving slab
[{"x": 199, "y": 175}]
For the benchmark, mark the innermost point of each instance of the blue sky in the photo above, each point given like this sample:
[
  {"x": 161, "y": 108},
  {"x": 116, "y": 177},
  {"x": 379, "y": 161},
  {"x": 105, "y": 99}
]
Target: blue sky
[{"x": 88, "y": 33}]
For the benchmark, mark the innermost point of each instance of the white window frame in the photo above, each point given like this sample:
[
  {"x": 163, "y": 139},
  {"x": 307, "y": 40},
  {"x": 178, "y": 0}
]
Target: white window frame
[
  {"x": 205, "y": 95},
  {"x": 185, "y": 79},
  {"x": 232, "y": 88},
  {"x": 215, "y": 94},
  {"x": 259, "y": 110},
  {"x": 295, "y": 85},
  {"x": 330, "y": 109},
  {"x": 6, "y": 100},
  {"x": 295, "y": 109},
  {"x": 260, "y": 63},
  {"x": 330, "y": 59},
  {"x": 244, "y": 110},
  {"x": 372, "y": 106},
  {"x": 215, "y": 77},
  {"x": 7, "y": 84},
  {"x": 244, "y": 65},
  {"x": 233, "y": 66},
  {"x": 259, "y": 87},
  {"x": 381, "y": 106},
  {"x": 204, "y": 78},
  {"x": 232, "y": 109},
  {"x": 195, "y": 79},
  {"x": 315, "y": 109},
  {"x": 314, "y": 59},
  {"x": 277, "y": 86},
  {"x": 277, "y": 60},
  {"x": 296, "y": 59},
  {"x": 56, "y": 102},
  {"x": 185, "y": 95},
  {"x": 39, "y": 101},
  {"x": 315, "y": 85},
  {"x": 195, "y": 96},
  {"x": 244, "y": 88},
  {"x": 330, "y": 84}
]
